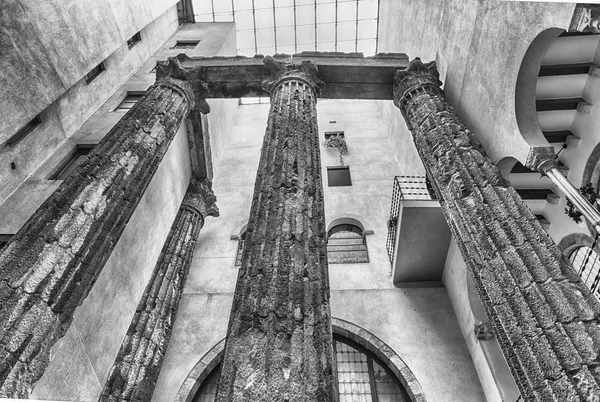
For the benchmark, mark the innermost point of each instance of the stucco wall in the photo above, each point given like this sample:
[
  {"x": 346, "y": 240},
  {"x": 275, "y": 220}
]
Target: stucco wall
[
  {"x": 481, "y": 44},
  {"x": 418, "y": 323}
]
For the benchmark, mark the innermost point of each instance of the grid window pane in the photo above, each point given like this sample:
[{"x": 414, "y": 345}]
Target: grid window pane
[
  {"x": 346, "y": 244},
  {"x": 586, "y": 263}
]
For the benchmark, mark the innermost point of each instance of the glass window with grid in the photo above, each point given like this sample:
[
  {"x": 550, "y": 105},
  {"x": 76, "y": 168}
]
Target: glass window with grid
[
  {"x": 586, "y": 263},
  {"x": 346, "y": 244},
  {"x": 361, "y": 377}
]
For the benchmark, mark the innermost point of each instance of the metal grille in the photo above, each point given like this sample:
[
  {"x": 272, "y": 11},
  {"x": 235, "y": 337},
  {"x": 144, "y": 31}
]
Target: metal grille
[
  {"x": 405, "y": 188},
  {"x": 587, "y": 264}
]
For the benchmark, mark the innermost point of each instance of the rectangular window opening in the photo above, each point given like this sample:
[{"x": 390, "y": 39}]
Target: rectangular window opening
[
  {"x": 134, "y": 40},
  {"x": 96, "y": 71},
  {"x": 329, "y": 134},
  {"x": 338, "y": 176},
  {"x": 74, "y": 159},
  {"x": 130, "y": 99},
  {"x": 186, "y": 44},
  {"x": 26, "y": 129},
  {"x": 4, "y": 239}
]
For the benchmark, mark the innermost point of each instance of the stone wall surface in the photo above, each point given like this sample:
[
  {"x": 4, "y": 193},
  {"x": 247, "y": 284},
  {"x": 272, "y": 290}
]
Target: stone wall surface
[{"x": 479, "y": 46}]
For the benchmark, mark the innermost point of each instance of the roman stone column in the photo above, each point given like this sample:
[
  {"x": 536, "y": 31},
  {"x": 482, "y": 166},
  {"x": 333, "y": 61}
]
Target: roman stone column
[
  {"x": 49, "y": 266},
  {"x": 134, "y": 374},
  {"x": 543, "y": 316},
  {"x": 279, "y": 341}
]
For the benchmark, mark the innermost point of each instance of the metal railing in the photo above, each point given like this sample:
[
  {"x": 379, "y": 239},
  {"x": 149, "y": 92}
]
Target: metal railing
[{"x": 405, "y": 188}]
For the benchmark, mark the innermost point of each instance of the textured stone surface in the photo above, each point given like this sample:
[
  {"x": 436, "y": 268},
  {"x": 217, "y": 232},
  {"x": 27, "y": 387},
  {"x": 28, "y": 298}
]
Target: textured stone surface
[
  {"x": 134, "y": 374},
  {"x": 50, "y": 265},
  {"x": 279, "y": 342},
  {"x": 544, "y": 317}
]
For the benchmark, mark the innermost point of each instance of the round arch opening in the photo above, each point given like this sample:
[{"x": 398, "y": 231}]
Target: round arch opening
[{"x": 381, "y": 355}]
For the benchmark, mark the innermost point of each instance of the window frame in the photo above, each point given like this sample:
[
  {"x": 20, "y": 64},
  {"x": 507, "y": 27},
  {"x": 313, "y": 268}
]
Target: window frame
[
  {"x": 134, "y": 40},
  {"x": 95, "y": 72},
  {"x": 332, "y": 168},
  {"x": 584, "y": 268},
  {"x": 4, "y": 239},
  {"x": 128, "y": 94},
  {"x": 79, "y": 150},
  {"x": 186, "y": 44},
  {"x": 364, "y": 242},
  {"x": 24, "y": 131}
]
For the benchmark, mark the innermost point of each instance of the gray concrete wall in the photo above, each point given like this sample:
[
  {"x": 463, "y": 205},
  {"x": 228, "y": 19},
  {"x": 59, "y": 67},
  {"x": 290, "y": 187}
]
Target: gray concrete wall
[
  {"x": 73, "y": 106},
  {"x": 418, "y": 323},
  {"x": 480, "y": 44},
  {"x": 51, "y": 45}
]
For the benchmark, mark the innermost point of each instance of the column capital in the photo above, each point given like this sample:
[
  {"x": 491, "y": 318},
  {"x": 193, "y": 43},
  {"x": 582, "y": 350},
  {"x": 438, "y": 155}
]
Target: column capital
[
  {"x": 200, "y": 198},
  {"x": 541, "y": 159},
  {"x": 305, "y": 71},
  {"x": 417, "y": 74},
  {"x": 173, "y": 69},
  {"x": 181, "y": 86}
]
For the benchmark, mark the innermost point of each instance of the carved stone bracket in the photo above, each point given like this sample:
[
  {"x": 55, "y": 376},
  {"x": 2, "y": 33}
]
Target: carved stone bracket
[
  {"x": 541, "y": 159},
  {"x": 484, "y": 331}
]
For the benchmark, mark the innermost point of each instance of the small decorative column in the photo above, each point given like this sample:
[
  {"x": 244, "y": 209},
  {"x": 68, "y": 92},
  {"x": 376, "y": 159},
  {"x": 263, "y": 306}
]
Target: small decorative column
[
  {"x": 543, "y": 159},
  {"x": 138, "y": 363},
  {"x": 543, "y": 316},
  {"x": 279, "y": 341},
  {"x": 50, "y": 265}
]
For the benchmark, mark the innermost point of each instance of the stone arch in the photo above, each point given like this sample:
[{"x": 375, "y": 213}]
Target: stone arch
[
  {"x": 506, "y": 164},
  {"x": 341, "y": 327},
  {"x": 352, "y": 219},
  {"x": 573, "y": 241},
  {"x": 525, "y": 93},
  {"x": 591, "y": 171}
]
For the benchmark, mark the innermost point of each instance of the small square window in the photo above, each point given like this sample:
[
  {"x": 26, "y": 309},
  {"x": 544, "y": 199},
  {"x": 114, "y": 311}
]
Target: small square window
[
  {"x": 96, "y": 71},
  {"x": 26, "y": 129},
  {"x": 4, "y": 239},
  {"x": 134, "y": 40},
  {"x": 338, "y": 176},
  {"x": 130, "y": 99},
  {"x": 330, "y": 134},
  {"x": 68, "y": 166},
  {"x": 186, "y": 44}
]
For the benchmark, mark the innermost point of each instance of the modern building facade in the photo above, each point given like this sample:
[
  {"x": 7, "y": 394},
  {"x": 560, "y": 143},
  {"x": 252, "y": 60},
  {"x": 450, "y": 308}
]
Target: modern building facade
[{"x": 121, "y": 274}]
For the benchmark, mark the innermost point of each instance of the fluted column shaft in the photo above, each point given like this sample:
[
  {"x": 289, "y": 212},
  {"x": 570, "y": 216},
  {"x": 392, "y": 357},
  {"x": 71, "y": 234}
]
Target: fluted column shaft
[
  {"x": 279, "y": 341},
  {"x": 134, "y": 374},
  {"x": 50, "y": 265},
  {"x": 543, "y": 316}
]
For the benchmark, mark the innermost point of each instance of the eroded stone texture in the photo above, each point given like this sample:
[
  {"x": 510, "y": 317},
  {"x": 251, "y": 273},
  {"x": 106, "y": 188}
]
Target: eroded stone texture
[
  {"x": 279, "y": 342},
  {"x": 543, "y": 316},
  {"x": 49, "y": 266},
  {"x": 134, "y": 374}
]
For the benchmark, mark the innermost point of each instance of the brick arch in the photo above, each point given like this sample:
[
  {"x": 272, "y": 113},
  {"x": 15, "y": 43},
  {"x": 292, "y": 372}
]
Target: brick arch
[{"x": 341, "y": 327}]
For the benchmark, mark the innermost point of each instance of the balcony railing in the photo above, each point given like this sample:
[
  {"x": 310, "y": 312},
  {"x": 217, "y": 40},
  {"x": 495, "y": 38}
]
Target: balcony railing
[{"x": 405, "y": 188}]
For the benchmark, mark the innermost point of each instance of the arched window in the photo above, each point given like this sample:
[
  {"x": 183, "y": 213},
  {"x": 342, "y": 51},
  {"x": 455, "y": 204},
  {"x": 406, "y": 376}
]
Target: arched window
[
  {"x": 346, "y": 244},
  {"x": 361, "y": 377},
  {"x": 587, "y": 264}
]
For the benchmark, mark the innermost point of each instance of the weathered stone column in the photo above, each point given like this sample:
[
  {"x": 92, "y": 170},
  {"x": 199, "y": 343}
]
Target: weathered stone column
[
  {"x": 543, "y": 316},
  {"x": 279, "y": 341},
  {"x": 134, "y": 374},
  {"x": 50, "y": 265}
]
